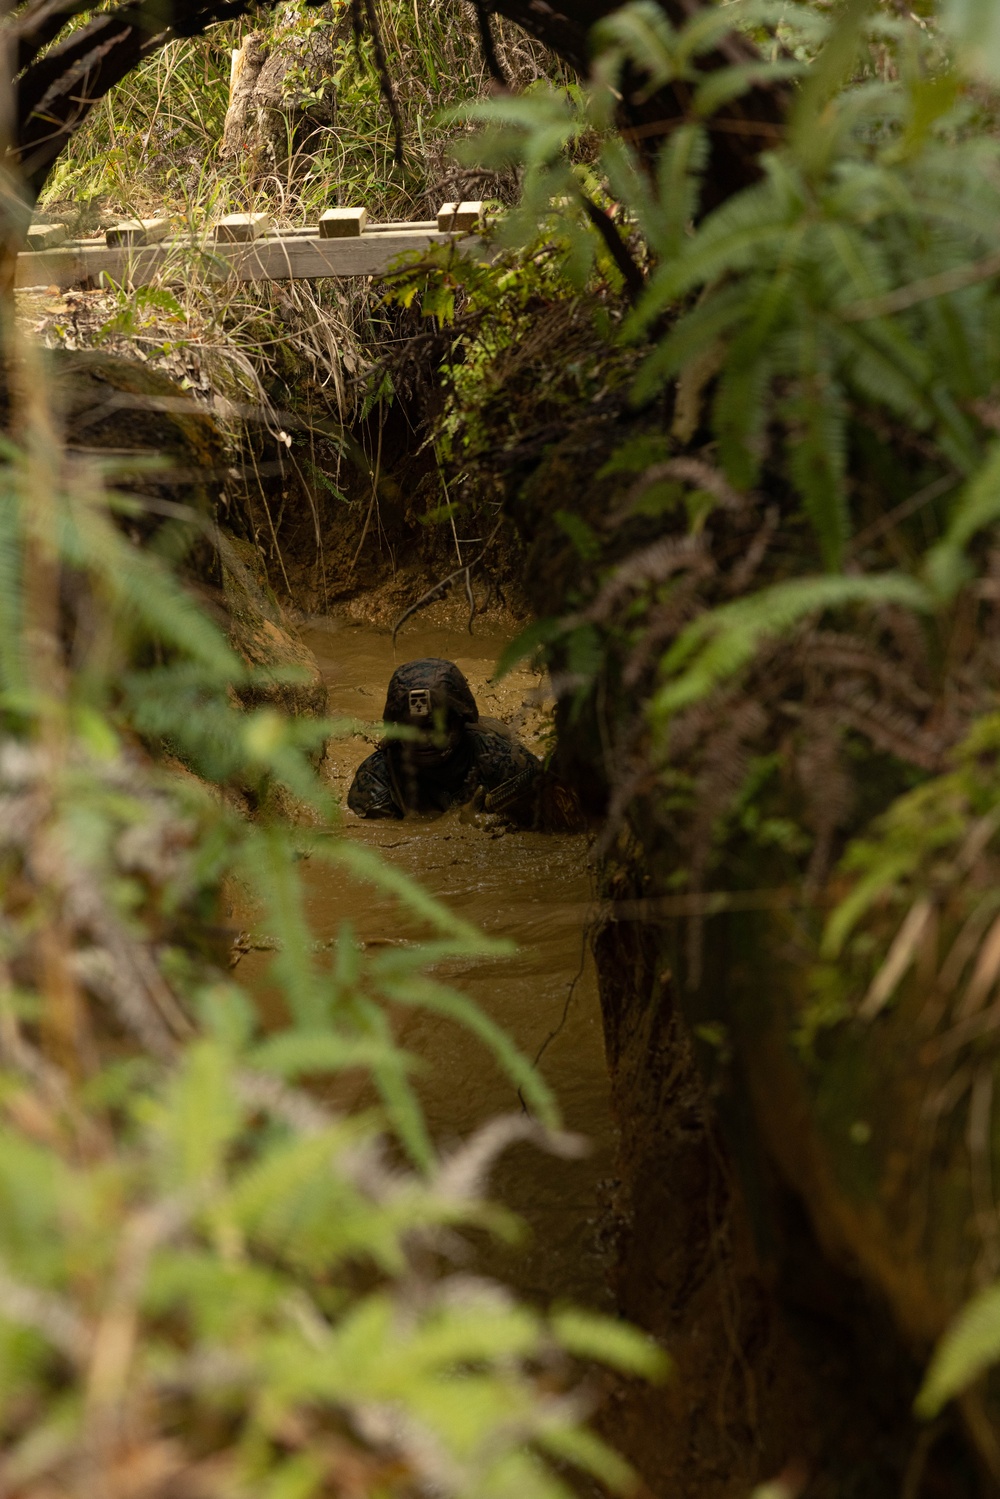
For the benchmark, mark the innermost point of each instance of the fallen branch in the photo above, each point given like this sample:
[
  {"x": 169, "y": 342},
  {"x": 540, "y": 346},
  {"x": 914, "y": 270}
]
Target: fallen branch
[{"x": 439, "y": 590}]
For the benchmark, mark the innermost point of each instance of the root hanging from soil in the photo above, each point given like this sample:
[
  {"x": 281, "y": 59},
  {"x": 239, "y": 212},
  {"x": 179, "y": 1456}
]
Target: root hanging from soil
[{"x": 439, "y": 590}]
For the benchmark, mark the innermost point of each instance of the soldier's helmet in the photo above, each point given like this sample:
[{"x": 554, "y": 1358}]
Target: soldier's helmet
[{"x": 429, "y": 692}]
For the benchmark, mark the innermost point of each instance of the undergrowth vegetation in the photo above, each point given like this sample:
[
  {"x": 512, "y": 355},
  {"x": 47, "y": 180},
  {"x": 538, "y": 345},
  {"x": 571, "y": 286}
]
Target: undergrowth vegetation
[
  {"x": 169, "y": 115},
  {"x": 319, "y": 135},
  {"x": 211, "y": 1282},
  {"x": 758, "y": 443},
  {"x": 781, "y": 604}
]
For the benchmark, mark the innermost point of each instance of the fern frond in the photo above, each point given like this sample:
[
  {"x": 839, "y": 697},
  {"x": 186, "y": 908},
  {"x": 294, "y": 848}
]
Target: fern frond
[
  {"x": 720, "y": 643},
  {"x": 977, "y": 506},
  {"x": 733, "y": 238},
  {"x": 679, "y": 168},
  {"x": 691, "y": 337}
]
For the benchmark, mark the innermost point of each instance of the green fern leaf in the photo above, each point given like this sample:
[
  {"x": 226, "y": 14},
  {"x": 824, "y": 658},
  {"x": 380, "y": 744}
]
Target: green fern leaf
[{"x": 969, "y": 1347}]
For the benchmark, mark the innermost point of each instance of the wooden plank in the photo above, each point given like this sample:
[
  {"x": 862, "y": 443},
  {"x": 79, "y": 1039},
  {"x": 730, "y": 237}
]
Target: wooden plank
[
  {"x": 137, "y": 232},
  {"x": 459, "y": 217},
  {"x": 278, "y": 259},
  {"x": 307, "y": 259},
  {"x": 343, "y": 223},
  {"x": 237, "y": 228},
  {"x": 428, "y": 224},
  {"x": 46, "y": 236},
  {"x": 80, "y": 265}
]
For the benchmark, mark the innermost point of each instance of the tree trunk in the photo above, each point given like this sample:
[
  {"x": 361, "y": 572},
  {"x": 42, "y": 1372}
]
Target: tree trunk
[{"x": 281, "y": 99}]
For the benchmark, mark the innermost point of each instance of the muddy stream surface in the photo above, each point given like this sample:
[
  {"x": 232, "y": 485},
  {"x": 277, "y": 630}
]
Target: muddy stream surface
[{"x": 531, "y": 888}]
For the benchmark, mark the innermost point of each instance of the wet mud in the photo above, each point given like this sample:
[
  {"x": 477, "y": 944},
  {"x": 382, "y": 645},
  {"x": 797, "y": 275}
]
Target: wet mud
[
  {"x": 533, "y": 889},
  {"x": 772, "y": 1375}
]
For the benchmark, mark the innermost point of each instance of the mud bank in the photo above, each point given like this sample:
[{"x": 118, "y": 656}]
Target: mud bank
[{"x": 786, "y": 1364}]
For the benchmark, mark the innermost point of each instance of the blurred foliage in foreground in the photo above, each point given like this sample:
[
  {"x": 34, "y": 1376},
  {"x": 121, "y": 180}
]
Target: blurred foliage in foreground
[{"x": 210, "y": 1282}]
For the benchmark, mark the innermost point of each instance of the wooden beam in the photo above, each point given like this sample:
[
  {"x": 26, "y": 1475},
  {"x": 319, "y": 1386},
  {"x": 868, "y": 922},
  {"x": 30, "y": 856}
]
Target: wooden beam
[
  {"x": 237, "y": 228},
  {"x": 46, "y": 236},
  {"x": 459, "y": 216},
  {"x": 137, "y": 232},
  {"x": 343, "y": 223},
  {"x": 298, "y": 256}
]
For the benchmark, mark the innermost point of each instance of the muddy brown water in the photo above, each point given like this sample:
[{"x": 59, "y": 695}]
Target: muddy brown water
[{"x": 531, "y": 888}]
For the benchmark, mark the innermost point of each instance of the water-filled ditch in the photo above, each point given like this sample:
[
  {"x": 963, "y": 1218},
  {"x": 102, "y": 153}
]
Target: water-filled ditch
[
  {"x": 753, "y": 1394},
  {"x": 531, "y": 888}
]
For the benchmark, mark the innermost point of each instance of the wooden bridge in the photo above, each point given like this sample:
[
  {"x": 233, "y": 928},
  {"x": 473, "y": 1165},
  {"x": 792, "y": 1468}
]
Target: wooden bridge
[{"x": 240, "y": 246}]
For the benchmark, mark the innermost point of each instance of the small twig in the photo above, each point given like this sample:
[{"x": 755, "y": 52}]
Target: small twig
[
  {"x": 901, "y": 512},
  {"x": 924, "y": 290},
  {"x": 440, "y": 589},
  {"x": 770, "y": 131},
  {"x": 488, "y": 45},
  {"x": 470, "y": 596},
  {"x": 978, "y": 1141},
  {"x": 634, "y": 280},
  {"x": 745, "y": 569},
  {"x": 385, "y": 80},
  {"x": 570, "y": 992}
]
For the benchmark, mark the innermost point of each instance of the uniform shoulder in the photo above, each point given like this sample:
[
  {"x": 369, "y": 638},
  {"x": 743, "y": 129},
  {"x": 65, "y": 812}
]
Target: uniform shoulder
[
  {"x": 499, "y": 754},
  {"x": 370, "y": 793}
]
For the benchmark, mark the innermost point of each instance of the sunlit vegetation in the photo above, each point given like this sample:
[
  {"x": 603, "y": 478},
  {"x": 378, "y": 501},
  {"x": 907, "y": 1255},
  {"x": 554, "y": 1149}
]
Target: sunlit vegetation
[{"x": 758, "y": 441}]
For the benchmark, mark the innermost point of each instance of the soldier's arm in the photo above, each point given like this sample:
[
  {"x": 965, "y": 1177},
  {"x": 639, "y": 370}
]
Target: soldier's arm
[
  {"x": 508, "y": 773},
  {"x": 371, "y": 790}
]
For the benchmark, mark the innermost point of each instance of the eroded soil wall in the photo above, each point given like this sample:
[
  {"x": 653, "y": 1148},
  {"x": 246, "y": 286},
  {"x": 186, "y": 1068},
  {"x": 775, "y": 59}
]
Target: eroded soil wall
[{"x": 785, "y": 1364}]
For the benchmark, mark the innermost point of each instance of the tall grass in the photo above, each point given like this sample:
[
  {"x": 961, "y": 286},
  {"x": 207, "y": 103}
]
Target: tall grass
[{"x": 153, "y": 144}]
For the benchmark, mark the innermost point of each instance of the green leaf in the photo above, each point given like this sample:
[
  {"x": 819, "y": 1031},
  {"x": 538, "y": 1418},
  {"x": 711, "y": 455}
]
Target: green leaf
[
  {"x": 294, "y": 1052},
  {"x": 969, "y": 1347},
  {"x": 202, "y": 1115},
  {"x": 524, "y": 646},
  {"x": 427, "y": 994},
  {"x": 978, "y": 506},
  {"x": 975, "y": 27},
  {"x": 589, "y": 1336},
  {"x": 586, "y": 1451},
  {"x": 720, "y": 643}
]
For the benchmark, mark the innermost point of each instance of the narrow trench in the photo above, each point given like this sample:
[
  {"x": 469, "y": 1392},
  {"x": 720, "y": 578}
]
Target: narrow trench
[
  {"x": 781, "y": 1370},
  {"x": 533, "y": 889},
  {"x": 782, "y": 1365},
  {"x": 785, "y": 1369}
]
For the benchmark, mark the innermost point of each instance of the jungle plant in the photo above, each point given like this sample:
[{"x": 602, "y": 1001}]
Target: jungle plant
[
  {"x": 796, "y": 547},
  {"x": 210, "y": 1281}
]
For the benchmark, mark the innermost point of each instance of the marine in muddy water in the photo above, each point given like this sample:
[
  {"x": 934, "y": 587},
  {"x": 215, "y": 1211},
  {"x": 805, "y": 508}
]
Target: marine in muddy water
[{"x": 456, "y": 759}]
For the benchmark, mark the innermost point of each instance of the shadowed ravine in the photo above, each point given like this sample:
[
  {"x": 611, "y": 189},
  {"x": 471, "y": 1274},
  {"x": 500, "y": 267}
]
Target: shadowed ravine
[
  {"x": 529, "y": 887},
  {"x": 652, "y": 1221}
]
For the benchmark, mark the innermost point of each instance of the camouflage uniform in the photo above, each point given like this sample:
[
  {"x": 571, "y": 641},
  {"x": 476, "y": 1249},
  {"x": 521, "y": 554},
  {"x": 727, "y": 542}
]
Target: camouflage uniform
[{"x": 461, "y": 756}]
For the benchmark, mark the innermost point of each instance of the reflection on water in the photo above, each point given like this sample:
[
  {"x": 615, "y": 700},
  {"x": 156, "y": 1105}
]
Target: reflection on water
[{"x": 532, "y": 888}]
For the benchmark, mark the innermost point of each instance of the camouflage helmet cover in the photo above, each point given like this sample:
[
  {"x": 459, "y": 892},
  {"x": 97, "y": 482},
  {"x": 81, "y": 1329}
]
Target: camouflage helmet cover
[{"x": 421, "y": 691}]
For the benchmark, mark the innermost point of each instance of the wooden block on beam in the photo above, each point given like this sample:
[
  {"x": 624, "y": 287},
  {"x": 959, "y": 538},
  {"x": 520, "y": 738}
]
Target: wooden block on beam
[
  {"x": 240, "y": 228},
  {"x": 136, "y": 232},
  {"x": 46, "y": 236},
  {"x": 454, "y": 217},
  {"x": 343, "y": 223}
]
